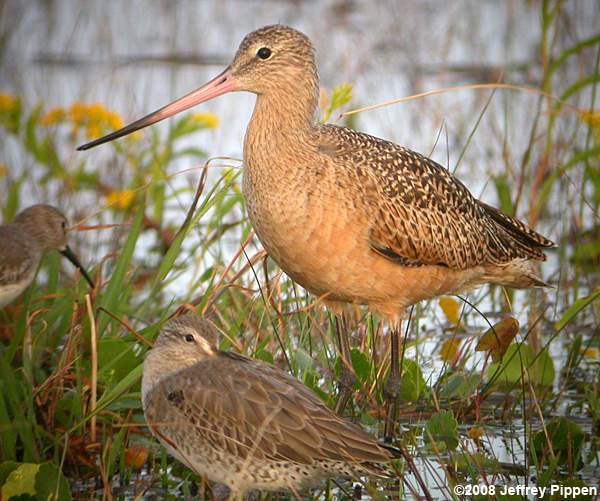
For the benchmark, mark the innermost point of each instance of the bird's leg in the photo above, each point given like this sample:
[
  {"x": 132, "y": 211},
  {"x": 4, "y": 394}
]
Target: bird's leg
[
  {"x": 347, "y": 377},
  {"x": 391, "y": 390}
]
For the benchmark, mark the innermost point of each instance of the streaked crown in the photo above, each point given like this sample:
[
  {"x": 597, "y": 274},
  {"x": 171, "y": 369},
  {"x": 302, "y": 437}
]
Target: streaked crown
[
  {"x": 188, "y": 338},
  {"x": 275, "y": 57}
]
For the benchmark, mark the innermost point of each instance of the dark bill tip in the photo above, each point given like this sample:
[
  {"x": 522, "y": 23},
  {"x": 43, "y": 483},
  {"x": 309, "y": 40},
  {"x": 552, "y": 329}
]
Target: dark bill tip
[{"x": 70, "y": 255}]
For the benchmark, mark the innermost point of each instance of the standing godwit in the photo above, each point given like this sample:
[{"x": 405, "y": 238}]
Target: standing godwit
[
  {"x": 24, "y": 240},
  {"x": 354, "y": 218},
  {"x": 245, "y": 423}
]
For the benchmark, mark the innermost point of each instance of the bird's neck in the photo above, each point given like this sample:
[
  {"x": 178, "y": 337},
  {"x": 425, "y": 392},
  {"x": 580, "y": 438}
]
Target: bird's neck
[
  {"x": 160, "y": 364},
  {"x": 280, "y": 118}
]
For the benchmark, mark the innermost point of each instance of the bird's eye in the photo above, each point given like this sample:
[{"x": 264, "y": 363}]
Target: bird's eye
[
  {"x": 189, "y": 338},
  {"x": 264, "y": 53}
]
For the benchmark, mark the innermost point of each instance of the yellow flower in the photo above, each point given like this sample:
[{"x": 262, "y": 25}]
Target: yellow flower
[
  {"x": 592, "y": 353},
  {"x": 120, "y": 199},
  {"x": 113, "y": 120},
  {"x": 592, "y": 118},
  {"x": 475, "y": 433},
  {"x": 8, "y": 103},
  {"x": 95, "y": 119},
  {"x": 3, "y": 170},
  {"x": 206, "y": 120},
  {"x": 78, "y": 113},
  {"x": 93, "y": 131},
  {"x": 95, "y": 113},
  {"x": 54, "y": 116}
]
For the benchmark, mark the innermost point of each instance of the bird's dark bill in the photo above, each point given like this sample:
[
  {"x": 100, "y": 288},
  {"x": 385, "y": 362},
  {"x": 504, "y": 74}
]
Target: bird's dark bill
[{"x": 70, "y": 255}]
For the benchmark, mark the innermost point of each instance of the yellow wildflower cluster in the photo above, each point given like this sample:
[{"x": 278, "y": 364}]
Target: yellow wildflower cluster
[
  {"x": 592, "y": 118},
  {"x": 120, "y": 199},
  {"x": 94, "y": 119},
  {"x": 54, "y": 116},
  {"x": 8, "y": 103},
  {"x": 591, "y": 353},
  {"x": 206, "y": 120},
  {"x": 10, "y": 112}
]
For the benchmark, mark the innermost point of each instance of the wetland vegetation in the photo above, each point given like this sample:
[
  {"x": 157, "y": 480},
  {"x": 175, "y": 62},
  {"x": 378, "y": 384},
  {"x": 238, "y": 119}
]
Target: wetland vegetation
[{"x": 499, "y": 388}]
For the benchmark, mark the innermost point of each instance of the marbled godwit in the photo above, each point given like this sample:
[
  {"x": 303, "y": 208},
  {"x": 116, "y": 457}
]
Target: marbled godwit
[
  {"x": 245, "y": 423},
  {"x": 354, "y": 218},
  {"x": 24, "y": 240}
]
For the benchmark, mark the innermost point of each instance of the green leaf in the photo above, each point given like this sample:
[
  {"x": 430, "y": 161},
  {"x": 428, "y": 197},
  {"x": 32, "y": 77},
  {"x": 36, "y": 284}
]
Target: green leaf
[
  {"x": 116, "y": 359},
  {"x": 566, "y": 438},
  {"x": 577, "y": 306},
  {"x": 51, "y": 484},
  {"x": 412, "y": 383},
  {"x": 5, "y": 470},
  {"x": 340, "y": 96},
  {"x": 24, "y": 481},
  {"x": 503, "y": 191},
  {"x": 264, "y": 355},
  {"x": 361, "y": 365},
  {"x": 460, "y": 385},
  {"x": 542, "y": 370},
  {"x": 520, "y": 360},
  {"x": 442, "y": 428}
]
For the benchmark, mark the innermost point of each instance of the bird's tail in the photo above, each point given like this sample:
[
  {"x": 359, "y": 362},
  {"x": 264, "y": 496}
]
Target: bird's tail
[{"x": 518, "y": 274}]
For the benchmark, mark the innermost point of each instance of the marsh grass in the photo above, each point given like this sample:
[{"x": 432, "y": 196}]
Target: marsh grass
[{"x": 70, "y": 358}]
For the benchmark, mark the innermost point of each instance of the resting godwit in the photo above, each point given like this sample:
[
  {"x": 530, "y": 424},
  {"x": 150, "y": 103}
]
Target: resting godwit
[
  {"x": 245, "y": 423},
  {"x": 354, "y": 218},
  {"x": 24, "y": 240}
]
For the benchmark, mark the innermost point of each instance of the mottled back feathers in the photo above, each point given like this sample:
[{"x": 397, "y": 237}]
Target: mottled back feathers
[
  {"x": 421, "y": 214},
  {"x": 249, "y": 408}
]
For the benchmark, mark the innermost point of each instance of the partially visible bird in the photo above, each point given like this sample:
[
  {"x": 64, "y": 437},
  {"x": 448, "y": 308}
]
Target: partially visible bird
[
  {"x": 22, "y": 244},
  {"x": 245, "y": 423},
  {"x": 351, "y": 217}
]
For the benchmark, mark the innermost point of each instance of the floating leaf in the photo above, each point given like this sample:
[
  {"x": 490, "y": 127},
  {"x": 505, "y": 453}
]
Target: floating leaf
[
  {"x": 497, "y": 340},
  {"x": 442, "y": 428},
  {"x": 451, "y": 309}
]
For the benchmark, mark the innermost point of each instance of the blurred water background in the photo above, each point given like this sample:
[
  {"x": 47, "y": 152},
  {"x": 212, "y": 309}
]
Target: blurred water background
[{"x": 136, "y": 56}]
